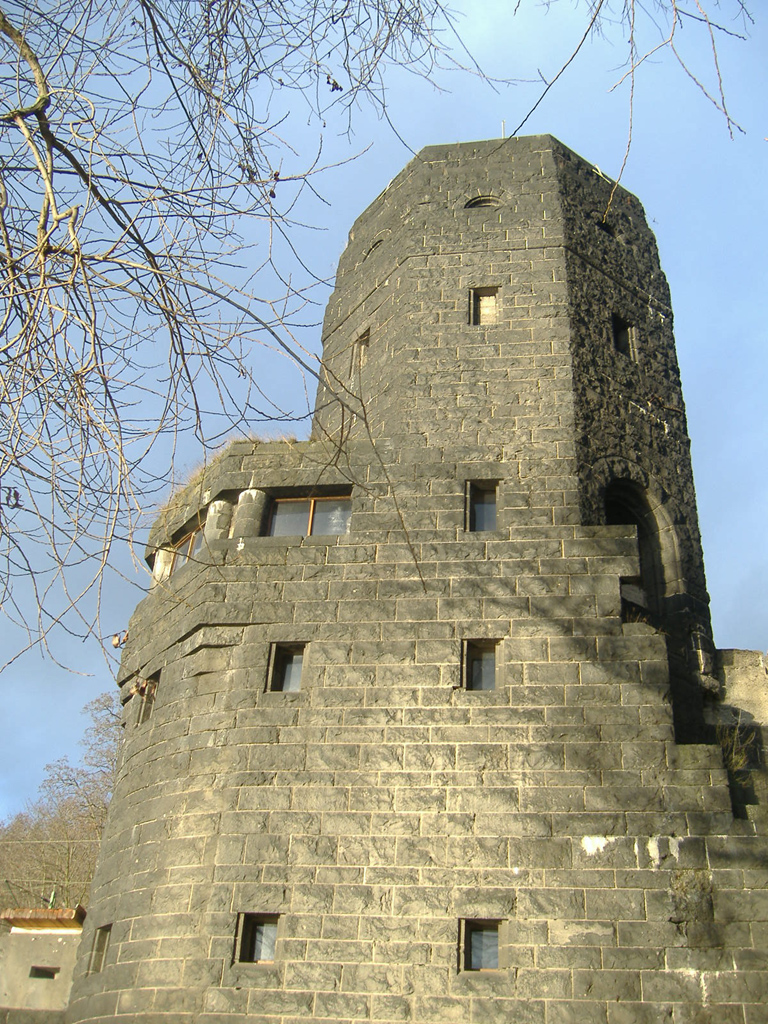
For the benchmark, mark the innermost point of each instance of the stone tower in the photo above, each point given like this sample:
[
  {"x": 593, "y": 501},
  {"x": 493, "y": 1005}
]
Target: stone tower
[{"x": 416, "y": 709}]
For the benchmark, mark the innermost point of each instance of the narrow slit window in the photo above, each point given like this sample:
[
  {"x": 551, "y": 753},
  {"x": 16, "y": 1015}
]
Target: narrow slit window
[
  {"x": 482, "y": 506},
  {"x": 147, "y": 691},
  {"x": 287, "y": 665},
  {"x": 361, "y": 350},
  {"x": 624, "y": 337},
  {"x": 46, "y": 973},
  {"x": 483, "y": 306},
  {"x": 258, "y": 937},
  {"x": 480, "y": 664},
  {"x": 100, "y": 947},
  {"x": 481, "y": 945},
  {"x": 310, "y": 516}
]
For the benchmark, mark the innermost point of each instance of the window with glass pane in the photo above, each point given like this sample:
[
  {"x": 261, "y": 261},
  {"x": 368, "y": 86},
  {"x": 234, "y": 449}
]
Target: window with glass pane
[
  {"x": 287, "y": 661},
  {"x": 482, "y": 506},
  {"x": 188, "y": 548},
  {"x": 481, "y": 945},
  {"x": 480, "y": 665},
  {"x": 258, "y": 934},
  {"x": 309, "y": 516},
  {"x": 331, "y": 516},
  {"x": 197, "y": 543},
  {"x": 289, "y": 516}
]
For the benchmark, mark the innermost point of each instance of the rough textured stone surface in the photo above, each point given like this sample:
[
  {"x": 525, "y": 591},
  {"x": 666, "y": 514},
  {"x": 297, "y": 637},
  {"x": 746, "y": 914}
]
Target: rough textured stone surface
[
  {"x": 31, "y": 1016},
  {"x": 385, "y": 806},
  {"x": 744, "y": 677}
]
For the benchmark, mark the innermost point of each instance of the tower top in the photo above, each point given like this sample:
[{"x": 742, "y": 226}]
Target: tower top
[{"x": 487, "y": 234}]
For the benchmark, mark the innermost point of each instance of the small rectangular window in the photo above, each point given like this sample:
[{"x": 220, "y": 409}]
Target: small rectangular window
[
  {"x": 258, "y": 935},
  {"x": 624, "y": 337},
  {"x": 480, "y": 664},
  {"x": 189, "y": 548},
  {"x": 310, "y": 516},
  {"x": 360, "y": 352},
  {"x": 147, "y": 691},
  {"x": 482, "y": 506},
  {"x": 287, "y": 663},
  {"x": 483, "y": 306},
  {"x": 100, "y": 947},
  {"x": 481, "y": 945},
  {"x": 47, "y": 973}
]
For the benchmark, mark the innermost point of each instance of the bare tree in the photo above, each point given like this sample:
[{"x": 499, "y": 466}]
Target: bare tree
[
  {"x": 144, "y": 162},
  {"x": 48, "y": 852},
  {"x": 651, "y": 28},
  {"x": 137, "y": 139}
]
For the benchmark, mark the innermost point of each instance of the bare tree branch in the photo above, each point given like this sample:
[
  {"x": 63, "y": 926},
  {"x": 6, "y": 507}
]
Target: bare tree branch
[
  {"x": 149, "y": 183},
  {"x": 136, "y": 138}
]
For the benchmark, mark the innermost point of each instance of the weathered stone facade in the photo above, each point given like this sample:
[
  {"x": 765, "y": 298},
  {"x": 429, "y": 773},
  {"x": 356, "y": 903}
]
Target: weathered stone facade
[{"x": 499, "y": 343}]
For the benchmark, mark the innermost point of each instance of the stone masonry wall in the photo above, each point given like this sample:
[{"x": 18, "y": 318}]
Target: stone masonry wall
[
  {"x": 630, "y": 417},
  {"x": 383, "y": 804},
  {"x": 384, "y": 808},
  {"x": 505, "y": 386}
]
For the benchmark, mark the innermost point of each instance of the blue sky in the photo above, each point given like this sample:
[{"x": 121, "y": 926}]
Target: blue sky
[{"x": 705, "y": 198}]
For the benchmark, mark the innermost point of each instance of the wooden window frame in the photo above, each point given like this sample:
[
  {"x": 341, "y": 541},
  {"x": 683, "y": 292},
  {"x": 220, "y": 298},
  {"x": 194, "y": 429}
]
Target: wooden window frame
[
  {"x": 190, "y": 545},
  {"x": 313, "y": 502}
]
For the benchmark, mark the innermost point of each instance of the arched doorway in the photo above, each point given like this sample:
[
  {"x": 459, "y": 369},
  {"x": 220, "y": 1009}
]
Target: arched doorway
[{"x": 642, "y": 596}]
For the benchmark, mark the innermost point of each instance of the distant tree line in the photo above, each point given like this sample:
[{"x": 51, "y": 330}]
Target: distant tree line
[{"x": 48, "y": 851}]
